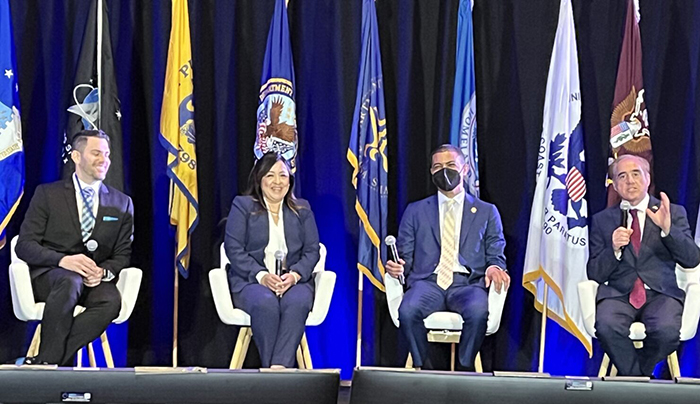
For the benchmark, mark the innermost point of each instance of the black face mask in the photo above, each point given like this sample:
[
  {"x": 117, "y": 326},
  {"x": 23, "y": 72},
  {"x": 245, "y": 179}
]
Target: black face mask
[{"x": 446, "y": 179}]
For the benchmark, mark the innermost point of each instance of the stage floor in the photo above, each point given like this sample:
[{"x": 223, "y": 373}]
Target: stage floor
[{"x": 369, "y": 385}]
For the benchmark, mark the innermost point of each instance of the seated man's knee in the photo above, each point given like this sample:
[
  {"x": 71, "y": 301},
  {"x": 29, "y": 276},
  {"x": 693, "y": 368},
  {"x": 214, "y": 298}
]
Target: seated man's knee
[
  {"x": 409, "y": 313},
  {"x": 70, "y": 283},
  {"x": 475, "y": 312},
  {"x": 608, "y": 326},
  {"x": 266, "y": 305},
  {"x": 666, "y": 335}
]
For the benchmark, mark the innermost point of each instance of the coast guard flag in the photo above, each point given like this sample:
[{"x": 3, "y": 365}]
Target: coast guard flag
[
  {"x": 629, "y": 122},
  {"x": 87, "y": 110},
  {"x": 463, "y": 125},
  {"x": 557, "y": 242},
  {"x": 11, "y": 148},
  {"x": 178, "y": 136},
  {"x": 367, "y": 152},
  {"x": 277, "y": 119}
]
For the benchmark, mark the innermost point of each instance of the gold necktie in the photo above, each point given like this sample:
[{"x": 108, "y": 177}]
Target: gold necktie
[{"x": 448, "y": 250}]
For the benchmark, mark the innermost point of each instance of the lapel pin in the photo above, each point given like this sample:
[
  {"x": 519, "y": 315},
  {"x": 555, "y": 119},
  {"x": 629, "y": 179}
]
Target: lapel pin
[
  {"x": 473, "y": 209},
  {"x": 654, "y": 208}
]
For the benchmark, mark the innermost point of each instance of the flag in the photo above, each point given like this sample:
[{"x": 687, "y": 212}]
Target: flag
[
  {"x": 463, "y": 124},
  {"x": 629, "y": 122},
  {"x": 87, "y": 110},
  {"x": 557, "y": 242},
  {"x": 277, "y": 120},
  {"x": 11, "y": 147},
  {"x": 178, "y": 136},
  {"x": 367, "y": 152}
]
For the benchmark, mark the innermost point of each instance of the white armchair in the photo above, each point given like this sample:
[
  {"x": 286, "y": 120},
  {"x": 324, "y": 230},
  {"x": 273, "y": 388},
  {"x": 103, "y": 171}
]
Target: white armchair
[
  {"x": 218, "y": 279},
  {"x": 445, "y": 326},
  {"x": 687, "y": 280},
  {"x": 28, "y": 309}
]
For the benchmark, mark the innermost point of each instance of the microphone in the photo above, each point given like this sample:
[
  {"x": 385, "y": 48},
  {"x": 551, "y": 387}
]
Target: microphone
[
  {"x": 279, "y": 256},
  {"x": 625, "y": 206},
  {"x": 390, "y": 242},
  {"x": 91, "y": 246}
]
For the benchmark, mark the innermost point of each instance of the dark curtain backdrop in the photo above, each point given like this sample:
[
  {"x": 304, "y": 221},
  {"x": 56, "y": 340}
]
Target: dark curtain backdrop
[{"x": 513, "y": 45}]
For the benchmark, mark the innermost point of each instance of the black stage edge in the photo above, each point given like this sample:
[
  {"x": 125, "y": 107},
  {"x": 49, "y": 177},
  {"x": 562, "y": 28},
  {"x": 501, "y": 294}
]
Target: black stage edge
[
  {"x": 149, "y": 386},
  {"x": 385, "y": 386}
]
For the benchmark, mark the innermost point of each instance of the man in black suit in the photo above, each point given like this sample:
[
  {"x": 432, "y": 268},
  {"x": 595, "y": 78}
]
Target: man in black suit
[
  {"x": 635, "y": 267},
  {"x": 64, "y": 219}
]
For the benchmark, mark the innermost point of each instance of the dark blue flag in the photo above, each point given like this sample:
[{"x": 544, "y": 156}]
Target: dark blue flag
[
  {"x": 11, "y": 148},
  {"x": 367, "y": 152},
  {"x": 277, "y": 122}
]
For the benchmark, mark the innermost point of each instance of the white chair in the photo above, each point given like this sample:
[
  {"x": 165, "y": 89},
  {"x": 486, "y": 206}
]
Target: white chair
[
  {"x": 445, "y": 326},
  {"x": 687, "y": 280},
  {"x": 27, "y": 309},
  {"x": 218, "y": 279}
]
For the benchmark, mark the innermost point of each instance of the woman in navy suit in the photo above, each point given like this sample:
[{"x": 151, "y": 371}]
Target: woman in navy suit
[{"x": 265, "y": 221}]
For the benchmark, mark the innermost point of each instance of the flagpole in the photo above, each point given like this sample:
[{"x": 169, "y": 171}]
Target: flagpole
[
  {"x": 99, "y": 63},
  {"x": 358, "y": 357},
  {"x": 175, "y": 314},
  {"x": 543, "y": 329}
]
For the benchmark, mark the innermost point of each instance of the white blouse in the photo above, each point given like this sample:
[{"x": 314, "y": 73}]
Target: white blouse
[{"x": 276, "y": 243}]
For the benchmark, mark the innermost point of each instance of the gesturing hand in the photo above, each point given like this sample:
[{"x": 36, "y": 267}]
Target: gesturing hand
[{"x": 662, "y": 217}]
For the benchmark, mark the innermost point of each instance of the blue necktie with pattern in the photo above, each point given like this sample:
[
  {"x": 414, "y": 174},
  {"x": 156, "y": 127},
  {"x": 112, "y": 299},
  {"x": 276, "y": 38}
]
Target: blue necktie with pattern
[{"x": 87, "y": 221}]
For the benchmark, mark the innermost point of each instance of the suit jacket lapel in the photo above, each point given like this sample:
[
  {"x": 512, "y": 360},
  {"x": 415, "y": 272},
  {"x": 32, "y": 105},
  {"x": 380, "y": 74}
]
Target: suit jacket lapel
[
  {"x": 468, "y": 215},
  {"x": 72, "y": 204},
  {"x": 434, "y": 217},
  {"x": 104, "y": 195},
  {"x": 651, "y": 230}
]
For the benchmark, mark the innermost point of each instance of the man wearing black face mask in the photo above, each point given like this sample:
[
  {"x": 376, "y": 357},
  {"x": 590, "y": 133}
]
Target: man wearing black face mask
[{"x": 451, "y": 248}]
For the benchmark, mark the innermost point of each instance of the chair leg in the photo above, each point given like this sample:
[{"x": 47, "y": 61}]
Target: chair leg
[
  {"x": 246, "y": 344},
  {"x": 409, "y": 361},
  {"x": 613, "y": 371},
  {"x": 238, "y": 350},
  {"x": 91, "y": 355},
  {"x": 300, "y": 358},
  {"x": 107, "y": 351},
  {"x": 79, "y": 358},
  {"x": 452, "y": 357},
  {"x": 36, "y": 340},
  {"x": 477, "y": 363},
  {"x": 604, "y": 366},
  {"x": 306, "y": 352},
  {"x": 673, "y": 365}
]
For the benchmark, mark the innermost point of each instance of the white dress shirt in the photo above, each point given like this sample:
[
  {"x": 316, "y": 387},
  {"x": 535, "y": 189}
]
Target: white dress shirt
[
  {"x": 276, "y": 243},
  {"x": 459, "y": 206}
]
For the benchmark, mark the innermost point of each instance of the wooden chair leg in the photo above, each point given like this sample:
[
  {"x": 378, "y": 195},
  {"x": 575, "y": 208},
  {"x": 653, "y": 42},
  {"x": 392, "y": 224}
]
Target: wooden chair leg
[
  {"x": 107, "y": 351},
  {"x": 300, "y": 358},
  {"x": 604, "y": 366},
  {"x": 80, "y": 358},
  {"x": 409, "y": 361},
  {"x": 673, "y": 365},
  {"x": 91, "y": 355},
  {"x": 477, "y": 363},
  {"x": 240, "y": 349},
  {"x": 452, "y": 357},
  {"x": 613, "y": 371},
  {"x": 306, "y": 352},
  {"x": 36, "y": 340}
]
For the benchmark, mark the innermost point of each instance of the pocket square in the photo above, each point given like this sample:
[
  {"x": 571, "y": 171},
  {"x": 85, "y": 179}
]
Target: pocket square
[{"x": 109, "y": 219}]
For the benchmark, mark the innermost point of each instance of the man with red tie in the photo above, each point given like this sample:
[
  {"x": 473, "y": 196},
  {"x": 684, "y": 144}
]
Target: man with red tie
[{"x": 635, "y": 267}]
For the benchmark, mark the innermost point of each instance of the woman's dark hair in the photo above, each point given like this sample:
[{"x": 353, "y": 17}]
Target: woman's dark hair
[{"x": 262, "y": 167}]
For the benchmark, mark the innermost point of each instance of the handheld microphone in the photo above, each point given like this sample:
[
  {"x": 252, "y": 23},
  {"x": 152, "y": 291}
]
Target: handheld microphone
[
  {"x": 279, "y": 256},
  {"x": 390, "y": 242},
  {"x": 91, "y": 246},
  {"x": 625, "y": 206}
]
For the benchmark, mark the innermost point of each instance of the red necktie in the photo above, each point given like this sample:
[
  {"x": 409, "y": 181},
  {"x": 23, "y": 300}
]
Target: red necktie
[{"x": 638, "y": 296}]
